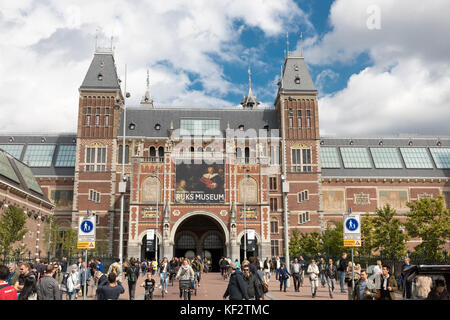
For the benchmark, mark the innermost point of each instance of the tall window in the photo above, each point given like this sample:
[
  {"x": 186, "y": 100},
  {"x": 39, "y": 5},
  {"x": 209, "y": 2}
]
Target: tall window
[
  {"x": 107, "y": 117},
  {"x": 273, "y": 204},
  {"x": 274, "y": 226},
  {"x": 94, "y": 196},
  {"x": 308, "y": 118},
  {"x": 96, "y": 159},
  {"x": 299, "y": 118},
  {"x": 291, "y": 122},
  {"x": 247, "y": 155},
  {"x": 88, "y": 116},
  {"x": 274, "y": 248},
  {"x": 127, "y": 153},
  {"x": 273, "y": 183},
  {"x": 301, "y": 160},
  {"x": 274, "y": 155}
]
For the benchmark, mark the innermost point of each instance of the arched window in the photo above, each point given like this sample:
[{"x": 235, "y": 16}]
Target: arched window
[
  {"x": 212, "y": 241},
  {"x": 247, "y": 155},
  {"x": 152, "y": 152},
  {"x": 161, "y": 153},
  {"x": 186, "y": 241},
  {"x": 199, "y": 149}
]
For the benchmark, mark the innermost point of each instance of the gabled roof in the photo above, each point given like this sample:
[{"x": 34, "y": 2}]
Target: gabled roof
[{"x": 102, "y": 73}]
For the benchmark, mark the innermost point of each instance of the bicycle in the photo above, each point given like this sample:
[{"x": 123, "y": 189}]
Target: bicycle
[
  {"x": 149, "y": 293},
  {"x": 171, "y": 278},
  {"x": 185, "y": 286}
]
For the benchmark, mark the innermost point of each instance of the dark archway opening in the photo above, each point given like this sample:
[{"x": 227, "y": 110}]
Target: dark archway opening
[
  {"x": 203, "y": 236},
  {"x": 252, "y": 249}
]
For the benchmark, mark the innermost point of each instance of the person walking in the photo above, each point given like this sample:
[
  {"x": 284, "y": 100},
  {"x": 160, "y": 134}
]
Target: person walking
[
  {"x": 7, "y": 291},
  {"x": 115, "y": 268},
  {"x": 144, "y": 266},
  {"x": 237, "y": 287},
  {"x": 85, "y": 276},
  {"x": 313, "y": 271},
  {"x": 101, "y": 280},
  {"x": 322, "y": 266},
  {"x": 253, "y": 288},
  {"x": 352, "y": 273},
  {"x": 296, "y": 269},
  {"x": 331, "y": 276},
  {"x": 283, "y": 276},
  {"x": 277, "y": 266},
  {"x": 132, "y": 277},
  {"x": 163, "y": 274},
  {"x": 73, "y": 284},
  {"x": 406, "y": 285},
  {"x": 388, "y": 284},
  {"x": 111, "y": 290},
  {"x": 439, "y": 292},
  {"x": 342, "y": 268},
  {"x": 266, "y": 267},
  {"x": 185, "y": 273},
  {"x": 48, "y": 288},
  {"x": 364, "y": 288},
  {"x": 302, "y": 270}
]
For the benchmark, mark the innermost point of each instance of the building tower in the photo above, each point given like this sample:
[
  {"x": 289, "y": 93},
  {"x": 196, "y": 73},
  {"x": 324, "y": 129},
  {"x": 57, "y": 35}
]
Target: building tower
[
  {"x": 100, "y": 108},
  {"x": 296, "y": 103}
]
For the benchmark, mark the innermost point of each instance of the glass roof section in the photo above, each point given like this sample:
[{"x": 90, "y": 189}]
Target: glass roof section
[
  {"x": 66, "y": 156},
  {"x": 6, "y": 169},
  {"x": 416, "y": 158},
  {"x": 355, "y": 157},
  {"x": 329, "y": 157},
  {"x": 28, "y": 176},
  {"x": 386, "y": 158},
  {"x": 39, "y": 155},
  {"x": 13, "y": 149},
  {"x": 441, "y": 157}
]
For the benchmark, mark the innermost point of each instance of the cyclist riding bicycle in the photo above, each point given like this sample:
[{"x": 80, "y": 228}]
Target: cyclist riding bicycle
[
  {"x": 197, "y": 267},
  {"x": 223, "y": 263},
  {"x": 149, "y": 285},
  {"x": 186, "y": 275},
  {"x": 173, "y": 269}
]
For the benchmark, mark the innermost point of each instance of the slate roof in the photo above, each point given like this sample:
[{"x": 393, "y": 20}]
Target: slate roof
[
  {"x": 102, "y": 64},
  {"x": 146, "y": 118},
  {"x": 19, "y": 174},
  {"x": 296, "y": 67}
]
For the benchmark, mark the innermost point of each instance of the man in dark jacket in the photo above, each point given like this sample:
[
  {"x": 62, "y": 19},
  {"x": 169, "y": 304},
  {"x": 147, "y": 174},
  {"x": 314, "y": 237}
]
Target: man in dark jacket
[
  {"x": 331, "y": 276},
  {"x": 254, "y": 290},
  {"x": 364, "y": 288},
  {"x": 388, "y": 284},
  {"x": 132, "y": 276},
  {"x": 237, "y": 288},
  {"x": 439, "y": 292},
  {"x": 101, "y": 281},
  {"x": 342, "y": 268},
  {"x": 112, "y": 290},
  {"x": 48, "y": 288}
]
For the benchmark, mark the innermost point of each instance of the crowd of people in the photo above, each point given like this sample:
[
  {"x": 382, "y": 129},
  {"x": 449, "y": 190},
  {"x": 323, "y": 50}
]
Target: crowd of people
[{"x": 247, "y": 280}]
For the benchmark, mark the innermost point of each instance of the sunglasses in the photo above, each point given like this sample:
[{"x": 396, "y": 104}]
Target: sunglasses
[{"x": 246, "y": 269}]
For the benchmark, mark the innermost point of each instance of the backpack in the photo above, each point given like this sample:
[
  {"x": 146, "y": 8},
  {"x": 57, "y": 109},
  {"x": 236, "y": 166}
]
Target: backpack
[
  {"x": 114, "y": 269},
  {"x": 132, "y": 277}
]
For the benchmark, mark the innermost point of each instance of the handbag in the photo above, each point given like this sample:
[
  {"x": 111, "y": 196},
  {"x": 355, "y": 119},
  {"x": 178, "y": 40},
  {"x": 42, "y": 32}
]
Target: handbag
[{"x": 265, "y": 287}]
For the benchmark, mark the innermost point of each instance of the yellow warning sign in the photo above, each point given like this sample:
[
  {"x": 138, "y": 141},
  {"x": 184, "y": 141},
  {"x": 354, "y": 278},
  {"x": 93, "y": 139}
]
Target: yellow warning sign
[
  {"x": 86, "y": 245},
  {"x": 352, "y": 243}
]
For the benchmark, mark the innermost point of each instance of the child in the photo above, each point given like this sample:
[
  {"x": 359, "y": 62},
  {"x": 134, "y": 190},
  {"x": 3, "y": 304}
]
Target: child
[{"x": 149, "y": 285}]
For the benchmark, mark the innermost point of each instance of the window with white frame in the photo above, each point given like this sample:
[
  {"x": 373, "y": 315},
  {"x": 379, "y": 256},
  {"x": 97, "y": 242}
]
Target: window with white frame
[
  {"x": 303, "y": 218},
  {"x": 273, "y": 185},
  {"x": 273, "y": 204},
  {"x": 94, "y": 196},
  {"x": 308, "y": 118},
  {"x": 299, "y": 118},
  {"x": 303, "y": 196},
  {"x": 95, "y": 159},
  {"x": 274, "y": 155},
  {"x": 274, "y": 248},
  {"x": 274, "y": 226},
  {"x": 301, "y": 160}
]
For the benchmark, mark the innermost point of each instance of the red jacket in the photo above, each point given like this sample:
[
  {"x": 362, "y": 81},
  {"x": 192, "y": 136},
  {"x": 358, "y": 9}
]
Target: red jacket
[{"x": 7, "y": 292}]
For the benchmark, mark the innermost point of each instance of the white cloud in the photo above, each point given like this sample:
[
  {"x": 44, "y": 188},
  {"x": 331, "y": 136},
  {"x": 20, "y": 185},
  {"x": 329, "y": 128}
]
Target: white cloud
[
  {"x": 407, "y": 88},
  {"x": 46, "y": 48}
]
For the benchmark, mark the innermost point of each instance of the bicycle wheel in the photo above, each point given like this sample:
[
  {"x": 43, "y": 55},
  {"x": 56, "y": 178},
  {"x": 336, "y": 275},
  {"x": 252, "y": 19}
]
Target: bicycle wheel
[
  {"x": 185, "y": 294},
  {"x": 162, "y": 292}
]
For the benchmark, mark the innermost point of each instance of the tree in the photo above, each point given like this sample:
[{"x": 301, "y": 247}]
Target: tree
[
  {"x": 52, "y": 234},
  {"x": 388, "y": 234},
  {"x": 305, "y": 244},
  {"x": 294, "y": 243},
  {"x": 101, "y": 243},
  {"x": 368, "y": 235},
  {"x": 430, "y": 221},
  {"x": 333, "y": 239},
  {"x": 12, "y": 228}
]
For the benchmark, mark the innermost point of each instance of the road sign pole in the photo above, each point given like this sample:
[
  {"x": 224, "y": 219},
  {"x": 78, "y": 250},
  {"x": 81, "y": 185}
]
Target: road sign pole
[
  {"x": 353, "y": 275},
  {"x": 85, "y": 276}
]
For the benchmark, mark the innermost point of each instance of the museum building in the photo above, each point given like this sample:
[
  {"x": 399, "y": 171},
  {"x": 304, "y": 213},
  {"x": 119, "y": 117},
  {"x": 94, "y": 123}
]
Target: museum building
[{"x": 202, "y": 178}]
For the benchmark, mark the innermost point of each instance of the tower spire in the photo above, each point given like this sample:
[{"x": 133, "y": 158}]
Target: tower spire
[
  {"x": 249, "y": 101},
  {"x": 287, "y": 44},
  {"x": 147, "y": 99},
  {"x": 301, "y": 44}
]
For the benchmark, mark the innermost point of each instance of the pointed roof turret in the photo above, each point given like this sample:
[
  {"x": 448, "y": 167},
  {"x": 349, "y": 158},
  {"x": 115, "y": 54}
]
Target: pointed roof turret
[
  {"x": 147, "y": 98},
  {"x": 249, "y": 101}
]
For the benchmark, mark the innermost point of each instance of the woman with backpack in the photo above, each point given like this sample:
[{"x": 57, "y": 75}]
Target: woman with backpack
[{"x": 283, "y": 276}]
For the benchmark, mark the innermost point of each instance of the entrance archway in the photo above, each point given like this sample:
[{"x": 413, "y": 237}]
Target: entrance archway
[
  {"x": 251, "y": 251},
  {"x": 148, "y": 253},
  {"x": 201, "y": 234}
]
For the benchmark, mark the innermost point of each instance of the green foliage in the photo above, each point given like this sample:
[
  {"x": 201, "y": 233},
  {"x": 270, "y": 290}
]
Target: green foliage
[
  {"x": 430, "y": 221},
  {"x": 387, "y": 233},
  {"x": 333, "y": 240},
  {"x": 12, "y": 228},
  {"x": 101, "y": 243},
  {"x": 368, "y": 235},
  {"x": 294, "y": 244}
]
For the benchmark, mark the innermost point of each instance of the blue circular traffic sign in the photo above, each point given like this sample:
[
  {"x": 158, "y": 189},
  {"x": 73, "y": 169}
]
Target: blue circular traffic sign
[
  {"x": 351, "y": 224},
  {"x": 87, "y": 226}
]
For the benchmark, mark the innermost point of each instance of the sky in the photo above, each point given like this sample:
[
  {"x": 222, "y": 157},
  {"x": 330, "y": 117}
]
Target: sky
[{"x": 382, "y": 67}]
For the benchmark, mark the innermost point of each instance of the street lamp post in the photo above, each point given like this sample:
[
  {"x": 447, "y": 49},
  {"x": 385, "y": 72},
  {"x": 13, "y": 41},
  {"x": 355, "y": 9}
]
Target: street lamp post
[{"x": 157, "y": 212}]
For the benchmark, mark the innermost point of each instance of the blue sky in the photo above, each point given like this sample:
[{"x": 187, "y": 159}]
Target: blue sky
[{"x": 381, "y": 66}]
